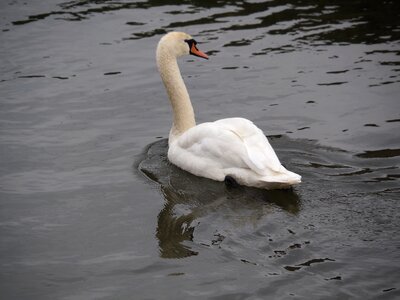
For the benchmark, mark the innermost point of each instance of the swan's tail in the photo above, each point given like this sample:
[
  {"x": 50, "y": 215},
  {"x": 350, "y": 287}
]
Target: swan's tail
[{"x": 285, "y": 179}]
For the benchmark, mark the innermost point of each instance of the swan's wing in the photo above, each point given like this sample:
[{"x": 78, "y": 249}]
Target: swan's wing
[
  {"x": 211, "y": 145},
  {"x": 261, "y": 156},
  {"x": 228, "y": 143}
]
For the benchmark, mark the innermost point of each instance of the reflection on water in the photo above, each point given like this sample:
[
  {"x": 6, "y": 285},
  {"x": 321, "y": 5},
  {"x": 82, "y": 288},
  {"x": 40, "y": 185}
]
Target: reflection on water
[
  {"x": 311, "y": 20},
  {"x": 264, "y": 28},
  {"x": 188, "y": 198},
  {"x": 336, "y": 21},
  {"x": 380, "y": 153}
]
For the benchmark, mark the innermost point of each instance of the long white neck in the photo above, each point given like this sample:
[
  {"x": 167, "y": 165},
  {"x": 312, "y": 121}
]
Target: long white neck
[{"x": 177, "y": 92}]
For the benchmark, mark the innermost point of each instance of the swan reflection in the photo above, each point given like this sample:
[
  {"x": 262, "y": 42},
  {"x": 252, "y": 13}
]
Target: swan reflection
[{"x": 189, "y": 198}]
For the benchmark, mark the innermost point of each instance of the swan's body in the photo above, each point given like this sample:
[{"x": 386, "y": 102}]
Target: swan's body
[{"x": 232, "y": 147}]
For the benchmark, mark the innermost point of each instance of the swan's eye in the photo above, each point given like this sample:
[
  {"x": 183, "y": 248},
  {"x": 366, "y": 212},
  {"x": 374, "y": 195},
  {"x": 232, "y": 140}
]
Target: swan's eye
[{"x": 191, "y": 42}]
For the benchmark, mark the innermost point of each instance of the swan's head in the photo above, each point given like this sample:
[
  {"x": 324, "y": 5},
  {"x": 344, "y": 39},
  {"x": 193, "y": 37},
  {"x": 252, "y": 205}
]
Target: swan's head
[{"x": 179, "y": 44}]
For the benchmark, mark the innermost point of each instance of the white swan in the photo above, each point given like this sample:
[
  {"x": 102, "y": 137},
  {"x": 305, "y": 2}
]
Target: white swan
[{"x": 231, "y": 148}]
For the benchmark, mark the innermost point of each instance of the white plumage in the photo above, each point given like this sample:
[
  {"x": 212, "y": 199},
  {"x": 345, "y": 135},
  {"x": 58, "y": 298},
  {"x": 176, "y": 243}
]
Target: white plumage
[{"x": 228, "y": 147}]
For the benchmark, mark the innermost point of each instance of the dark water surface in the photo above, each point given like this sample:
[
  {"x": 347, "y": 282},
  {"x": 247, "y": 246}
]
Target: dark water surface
[{"x": 90, "y": 207}]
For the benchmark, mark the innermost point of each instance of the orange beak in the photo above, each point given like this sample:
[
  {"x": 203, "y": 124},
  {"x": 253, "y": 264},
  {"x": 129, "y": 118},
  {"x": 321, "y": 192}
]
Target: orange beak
[{"x": 197, "y": 52}]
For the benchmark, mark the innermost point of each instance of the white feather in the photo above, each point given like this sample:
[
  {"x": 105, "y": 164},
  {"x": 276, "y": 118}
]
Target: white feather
[{"x": 234, "y": 147}]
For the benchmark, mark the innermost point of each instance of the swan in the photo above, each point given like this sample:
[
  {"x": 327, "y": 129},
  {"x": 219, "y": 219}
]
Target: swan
[{"x": 232, "y": 150}]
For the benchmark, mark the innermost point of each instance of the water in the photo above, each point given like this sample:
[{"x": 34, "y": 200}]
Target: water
[{"x": 90, "y": 206}]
